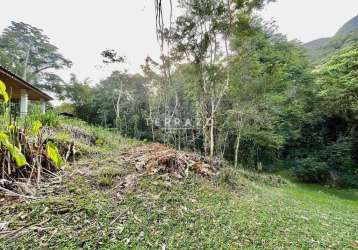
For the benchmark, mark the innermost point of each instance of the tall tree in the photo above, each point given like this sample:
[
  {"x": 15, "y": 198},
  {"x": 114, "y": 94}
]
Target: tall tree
[
  {"x": 201, "y": 35},
  {"x": 27, "y": 51}
]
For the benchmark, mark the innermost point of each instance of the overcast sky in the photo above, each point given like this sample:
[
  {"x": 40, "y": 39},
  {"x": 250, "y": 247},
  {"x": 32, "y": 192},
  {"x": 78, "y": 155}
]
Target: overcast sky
[{"x": 83, "y": 28}]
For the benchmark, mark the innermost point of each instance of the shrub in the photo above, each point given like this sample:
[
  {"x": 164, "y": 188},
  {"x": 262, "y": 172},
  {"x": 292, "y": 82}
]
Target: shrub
[
  {"x": 106, "y": 177},
  {"x": 50, "y": 119},
  {"x": 311, "y": 170},
  {"x": 332, "y": 165}
]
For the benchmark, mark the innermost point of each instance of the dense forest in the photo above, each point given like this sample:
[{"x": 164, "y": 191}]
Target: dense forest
[{"x": 226, "y": 84}]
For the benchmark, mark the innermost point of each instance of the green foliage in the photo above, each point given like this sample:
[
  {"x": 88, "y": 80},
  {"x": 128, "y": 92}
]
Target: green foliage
[
  {"x": 322, "y": 147},
  {"x": 338, "y": 83},
  {"x": 312, "y": 170},
  {"x": 3, "y": 92},
  {"x": 20, "y": 43},
  {"x": 50, "y": 119},
  {"x": 98, "y": 104},
  {"x": 5, "y": 141},
  {"x": 14, "y": 142},
  {"x": 15, "y": 152},
  {"x": 36, "y": 127},
  {"x": 54, "y": 155},
  {"x": 106, "y": 177},
  {"x": 331, "y": 165}
]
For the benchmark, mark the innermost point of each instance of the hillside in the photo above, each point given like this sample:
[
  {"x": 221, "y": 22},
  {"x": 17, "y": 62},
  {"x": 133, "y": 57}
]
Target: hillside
[
  {"x": 232, "y": 138},
  {"x": 324, "y": 47},
  {"x": 116, "y": 198},
  {"x": 350, "y": 26},
  {"x": 315, "y": 44}
]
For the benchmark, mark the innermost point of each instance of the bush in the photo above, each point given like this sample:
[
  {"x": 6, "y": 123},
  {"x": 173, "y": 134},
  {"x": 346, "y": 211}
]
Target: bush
[
  {"x": 332, "y": 165},
  {"x": 50, "y": 119},
  {"x": 240, "y": 179},
  {"x": 312, "y": 170},
  {"x": 106, "y": 176}
]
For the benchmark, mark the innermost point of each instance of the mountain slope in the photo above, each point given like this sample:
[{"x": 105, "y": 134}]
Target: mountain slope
[
  {"x": 350, "y": 26},
  {"x": 322, "y": 48},
  {"x": 318, "y": 43}
]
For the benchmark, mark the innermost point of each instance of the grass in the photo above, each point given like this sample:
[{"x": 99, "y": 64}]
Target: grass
[
  {"x": 238, "y": 209},
  {"x": 195, "y": 214}
]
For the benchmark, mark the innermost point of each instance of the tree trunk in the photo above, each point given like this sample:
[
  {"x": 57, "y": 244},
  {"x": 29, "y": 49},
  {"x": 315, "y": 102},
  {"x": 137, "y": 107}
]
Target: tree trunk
[
  {"x": 25, "y": 65},
  {"x": 212, "y": 135},
  {"x": 206, "y": 139},
  {"x": 237, "y": 147},
  {"x": 179, "y": 143}
]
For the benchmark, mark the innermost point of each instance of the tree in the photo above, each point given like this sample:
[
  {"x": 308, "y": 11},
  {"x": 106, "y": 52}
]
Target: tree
[
  {"x": 201, "y": 37},
  {"x": 338, "y": 85},
  {"x": 331, "y": 137},
  {"x": 27, "y": 51},
  {"x": 81, "y": 95}
]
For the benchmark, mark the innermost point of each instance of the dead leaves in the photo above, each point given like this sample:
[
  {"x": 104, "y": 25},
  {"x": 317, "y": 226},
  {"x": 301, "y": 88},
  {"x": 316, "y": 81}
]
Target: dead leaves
[
  {"x": 171, "y": 165},
  {"x": 159, "y": 158}
]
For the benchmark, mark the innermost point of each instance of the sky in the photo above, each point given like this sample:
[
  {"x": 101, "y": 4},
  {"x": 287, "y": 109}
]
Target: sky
[{"x": 81, "y": 29}]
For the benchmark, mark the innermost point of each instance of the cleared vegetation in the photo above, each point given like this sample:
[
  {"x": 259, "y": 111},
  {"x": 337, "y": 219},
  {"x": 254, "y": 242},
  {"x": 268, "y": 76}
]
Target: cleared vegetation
[{"x": 102, "y": 201}]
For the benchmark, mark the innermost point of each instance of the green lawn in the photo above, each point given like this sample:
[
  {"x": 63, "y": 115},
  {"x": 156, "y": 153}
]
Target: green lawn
[{"x": 236, "y": 210}]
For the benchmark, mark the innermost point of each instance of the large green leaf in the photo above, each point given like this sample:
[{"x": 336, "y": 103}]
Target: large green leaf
[
  {"x": 15, "y": 152},
  {"x": 36, "y": 127},
  {"x": 3, "y": 92},
  {"x": 17, "y": 155},
  {"x": 54, "y": 155},
  {"x": 3, "y": 138}
]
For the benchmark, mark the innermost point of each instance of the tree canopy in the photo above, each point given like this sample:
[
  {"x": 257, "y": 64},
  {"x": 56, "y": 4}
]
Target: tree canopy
[{"x": 28, "y": 52}]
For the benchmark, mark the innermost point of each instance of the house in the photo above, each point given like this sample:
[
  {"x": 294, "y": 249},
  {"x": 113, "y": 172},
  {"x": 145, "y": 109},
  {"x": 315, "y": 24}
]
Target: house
[{"x": 22, "y": 92}]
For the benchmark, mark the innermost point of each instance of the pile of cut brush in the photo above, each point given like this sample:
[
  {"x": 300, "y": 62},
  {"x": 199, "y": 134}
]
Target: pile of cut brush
[
  {"x": 79, "y": 134},
  {"x": 159, "y": 158}
]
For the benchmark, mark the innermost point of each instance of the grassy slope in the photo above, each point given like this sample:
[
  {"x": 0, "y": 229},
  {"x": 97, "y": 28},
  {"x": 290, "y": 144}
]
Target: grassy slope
[{"x": 239, "y": 209}]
